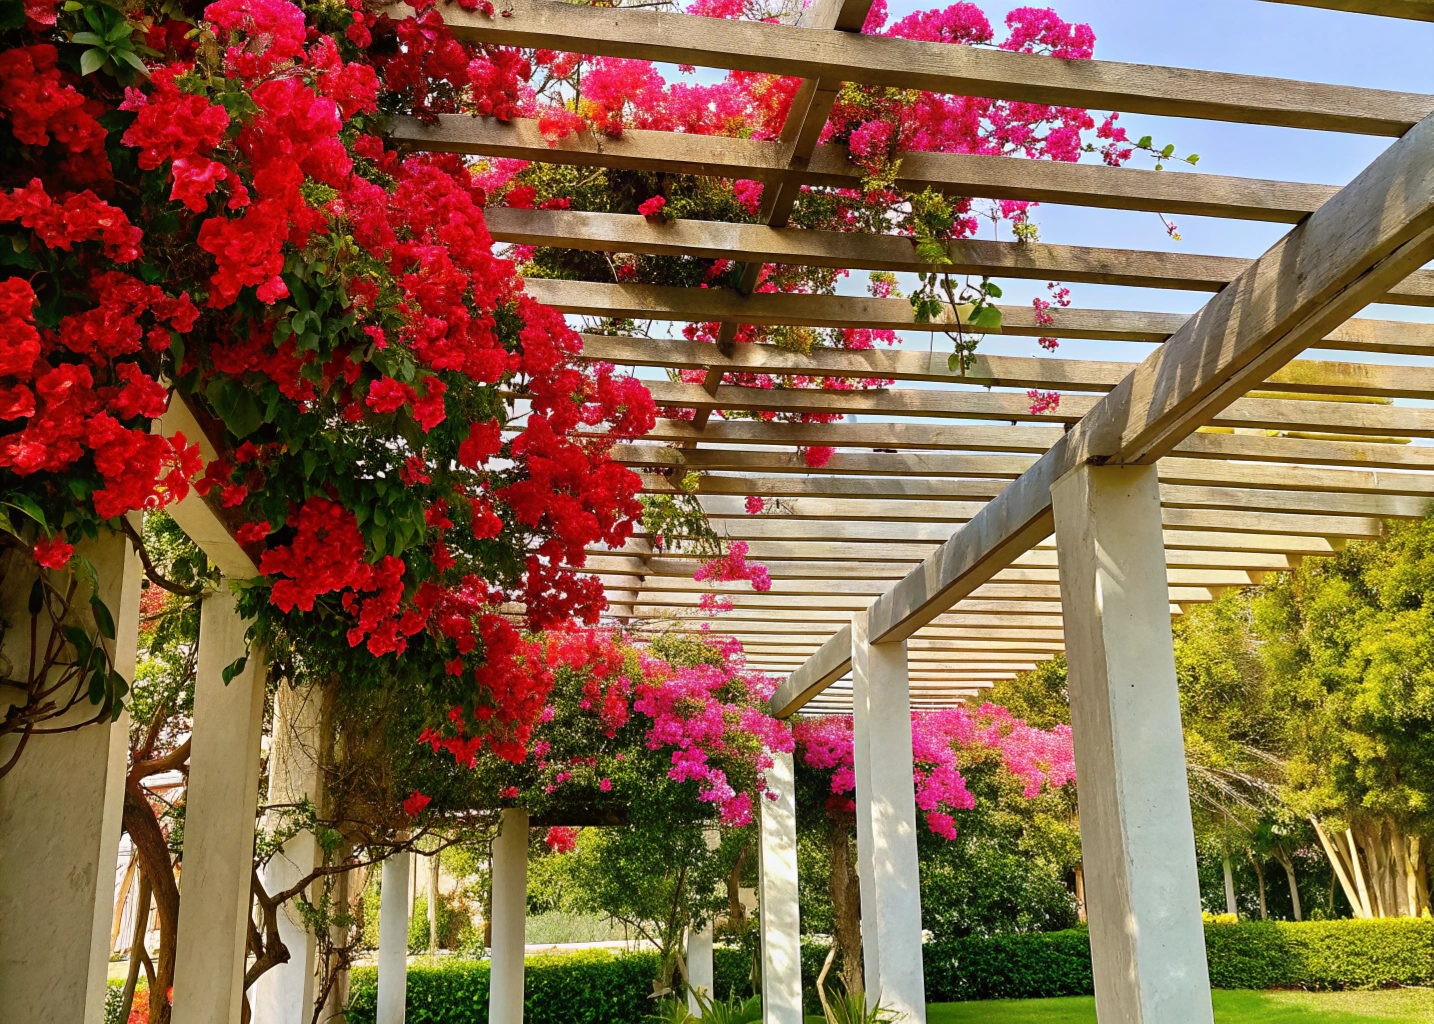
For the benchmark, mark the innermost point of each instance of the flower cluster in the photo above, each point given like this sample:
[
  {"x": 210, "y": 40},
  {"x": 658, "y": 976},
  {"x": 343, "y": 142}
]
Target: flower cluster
[
  {"x": 622, "y": 721},
  {"x": 942, "y": 743},
  {"x": 229, "y": 230}
]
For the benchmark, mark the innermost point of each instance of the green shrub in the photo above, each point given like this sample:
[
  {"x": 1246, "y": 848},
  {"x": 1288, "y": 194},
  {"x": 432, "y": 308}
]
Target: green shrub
[
  {"x": 598, "y": 987},
  {"x": 1312, "y": 955},
  {"x": 1009, "y": 967}
]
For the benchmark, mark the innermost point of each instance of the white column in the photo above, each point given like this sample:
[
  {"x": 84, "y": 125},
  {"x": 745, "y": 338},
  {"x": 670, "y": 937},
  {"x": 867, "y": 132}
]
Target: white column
[
  {"x": 60, "y": 811},
  {"x": 219, "y": 820},
  {"x": 510, "y": 912},
  {"x": 701, "y": 974},
  {"x": 777, "y": 898},
  {"x": 393, "y": 938},
  {"x": 1137, "y": 842},
  {"x": 886, "y": 826},
  {"x": 285, "y": 994}
]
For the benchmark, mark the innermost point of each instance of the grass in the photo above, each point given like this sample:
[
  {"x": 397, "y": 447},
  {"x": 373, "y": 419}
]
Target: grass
[{"x": 1402, "y": 1006}]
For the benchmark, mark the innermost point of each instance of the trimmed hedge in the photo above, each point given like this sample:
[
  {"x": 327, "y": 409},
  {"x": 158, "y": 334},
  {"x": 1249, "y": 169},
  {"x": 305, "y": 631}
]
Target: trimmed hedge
[
  {"x": 587, "y": 987},
  {"x": 598, "y": 987},
  {"x": 1312, "y": 955}
]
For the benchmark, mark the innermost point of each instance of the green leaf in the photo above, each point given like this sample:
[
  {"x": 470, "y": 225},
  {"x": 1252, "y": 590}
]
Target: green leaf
[
  {"x": 27, "y": 505},
  {"x": 1169, "y": 150},
  {"x": 88, "y": 39},
  {"x": 92, "y": 60},
  {"x": 37, "y": 598},
  {"x": 103, "y": 618},
  {"x": 311, "y": 461},
  {"x": 1144, "y": 143},
  {"x": 121, "y": 30},
  {"x": 176, "y": 349},
  {"x": 993, "y": 289},
  {"x": 130, "y": 57},
  {"x": 234, "y": 668},
  {"x": 7, "y": 525},
  {"x": 987, "y": 317},
  {"x": 95, "y": 18},
  {"x": 97, "y": 688},
  {"x": 1192, "y": 159}
]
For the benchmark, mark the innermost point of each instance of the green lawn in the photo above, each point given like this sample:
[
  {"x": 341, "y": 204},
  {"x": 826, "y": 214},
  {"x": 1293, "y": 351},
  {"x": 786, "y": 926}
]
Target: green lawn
[{"x": 1403, "y": 1005}]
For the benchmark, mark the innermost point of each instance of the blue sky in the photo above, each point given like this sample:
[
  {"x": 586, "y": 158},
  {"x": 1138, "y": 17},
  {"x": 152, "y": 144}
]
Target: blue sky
[{"x": 1247, "y": 37}]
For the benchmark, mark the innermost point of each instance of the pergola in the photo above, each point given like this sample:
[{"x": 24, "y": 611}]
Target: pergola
[
  {"x": 955, "y": 538},
  {"x": 919, "y": 565}
]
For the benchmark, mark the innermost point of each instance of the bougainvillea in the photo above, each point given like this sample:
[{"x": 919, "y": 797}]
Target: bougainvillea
[
  {"x": 217, "y": 221},
  {"x": 943, "y": 742},
  {"x": 676, "y": 725}
]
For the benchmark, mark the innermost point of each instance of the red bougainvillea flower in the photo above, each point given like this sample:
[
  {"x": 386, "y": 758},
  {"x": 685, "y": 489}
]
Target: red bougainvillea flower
[
  {"x": 561, "y": 839},
  {"x": 53, "y": 552},
  {"x": 415, "y": 803}
]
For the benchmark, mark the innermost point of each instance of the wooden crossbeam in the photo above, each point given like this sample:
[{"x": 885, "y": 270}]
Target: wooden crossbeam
[
  {"x": 927, "y": 468},
  {"x": 659, "y": 302},
  {"x": 1262, "y": 413},
  {"x": 939, "y": 67},
  {"x": 1413, "y": 10},
  {"x": 965, "y": 175},
  {"x": 1300, "y": 377},
  {"x": 852, "y": 250}
]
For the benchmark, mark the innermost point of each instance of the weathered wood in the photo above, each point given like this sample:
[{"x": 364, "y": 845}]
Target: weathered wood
[
  {"x": 1413, "y": 10},
  {"x": 1302, "y": 376},
  {"x": 1264, "y": 413},
  {"x": 989, "y": 177},
  {"x": 939, "y": 67},
  {"x": 756, "y": 243},
  {"x": 1372, "y": 233},
  {"x": 657, "y": 302}
]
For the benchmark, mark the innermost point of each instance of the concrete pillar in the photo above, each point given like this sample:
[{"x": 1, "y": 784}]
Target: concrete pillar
[
  {"x": 777, "y": 898},
  {"x": 220, "y": 804},
  {"x": 701, "y": 974},
  {"x": 393, "y": 938},
  {"x": 61, "y": 807},
  {"x": 1137, "y": 842},
  {"x": 886, "y": 826},
  {"x": 285, "y": 994},
  {"x": 510, "y": 912}
]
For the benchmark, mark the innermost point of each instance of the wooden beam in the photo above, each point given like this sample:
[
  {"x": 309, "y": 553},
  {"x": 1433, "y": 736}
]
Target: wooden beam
[
  {"x": 1412, "y": 10},
  {"x": 938, "y": 67},
  {"x": 987, "y": 177},
  {"x": 1262, "y": 413},
  {"x": 756, "y": 243},
  {"x": 1374, "y": 232},
  {"x": 1302, "y": 376},
  {"x": 659, "y": 302}
]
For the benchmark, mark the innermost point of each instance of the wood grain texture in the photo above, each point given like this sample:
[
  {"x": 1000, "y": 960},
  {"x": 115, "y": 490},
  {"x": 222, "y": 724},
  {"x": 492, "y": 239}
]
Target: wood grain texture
[
  {"x": 965, "y": 175},
  {"x": 941, "y": 68},
  {"x": 655, "y": 302},
  {"x": 1412, "y": 10},
  {"x": 757, "y": 243}
]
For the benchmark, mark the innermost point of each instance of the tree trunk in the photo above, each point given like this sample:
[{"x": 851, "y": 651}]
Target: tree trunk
[
  {"x": 433, "y": 905},
  {"x": 1229, "y": 886},
  {"x": 153, "y": 853},
  {"x": 1260, "y": 878},
  {"x": 1080, "y": 891},
  {"x": 1418, "y": 864},
  {"x": 845, "y": 890},
  {"x": 1288, "y": 865},
  {"x": 136, "y": 945},
  {"x": 1342, "y": 870},
  {"x": 1358, "y": 870}
]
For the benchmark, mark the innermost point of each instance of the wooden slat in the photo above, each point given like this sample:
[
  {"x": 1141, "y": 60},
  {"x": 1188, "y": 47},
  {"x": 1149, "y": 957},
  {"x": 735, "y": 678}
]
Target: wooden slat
[
  {"x": 657, "y": 302},
  {"x": 756, "y": 243},
  {"x": 823, "y": 668},
  {"x": 939, "y": 67},
  {"x": 1261, "y": 413},
  {"x": 1412, "y": 10},
  {"x": 1302, "y": 376},
  {"x": 988, "y": 177},
  {"x": 1374, "y": 232}
]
